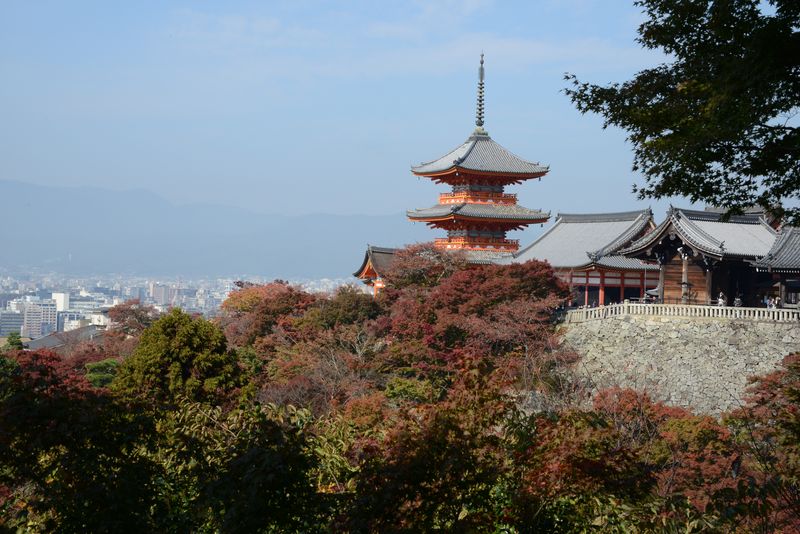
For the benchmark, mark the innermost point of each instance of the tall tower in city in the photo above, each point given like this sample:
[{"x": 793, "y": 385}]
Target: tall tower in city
[{"x": 477, "y": 212}]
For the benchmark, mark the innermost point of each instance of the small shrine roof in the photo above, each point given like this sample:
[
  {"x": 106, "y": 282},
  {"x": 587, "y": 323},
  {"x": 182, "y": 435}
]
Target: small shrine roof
[
  {"x": 512, "y": 212},
  {"x": 481, "y": 153},
  {"x": 784, "y": 254},
  {"x": 581, "y": 240},
  {"x": 741, "y": 236},
  {"x": 378, "y": 257}
]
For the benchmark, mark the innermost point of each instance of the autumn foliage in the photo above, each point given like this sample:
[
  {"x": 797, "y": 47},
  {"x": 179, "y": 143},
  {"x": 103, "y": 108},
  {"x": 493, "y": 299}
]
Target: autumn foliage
[{"x": 444, "y": 404}]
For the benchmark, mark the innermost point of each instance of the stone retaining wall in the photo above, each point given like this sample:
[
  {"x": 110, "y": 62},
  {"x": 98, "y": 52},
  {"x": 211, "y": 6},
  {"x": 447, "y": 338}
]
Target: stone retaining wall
[{"x": 697, "y": 363}]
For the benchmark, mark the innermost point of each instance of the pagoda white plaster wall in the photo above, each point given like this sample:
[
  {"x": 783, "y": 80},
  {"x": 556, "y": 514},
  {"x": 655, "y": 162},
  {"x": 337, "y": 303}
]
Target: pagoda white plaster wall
[{"x": 702, "y": 364}]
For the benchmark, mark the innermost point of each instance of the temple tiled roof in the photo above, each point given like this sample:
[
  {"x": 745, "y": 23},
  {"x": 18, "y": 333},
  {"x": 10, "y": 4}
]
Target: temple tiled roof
[
  {"x": 741, "y": 236},
  {"x": 784, "y": 254},
  {"x": 582, "y": 240},
  {"x": 481, "y": 153},
  {"x": 379, "y": 257},
  {"x": 59, "y": 339},
  {"x": 512, "y": 212},
  {"x": 616, "y": 261}
]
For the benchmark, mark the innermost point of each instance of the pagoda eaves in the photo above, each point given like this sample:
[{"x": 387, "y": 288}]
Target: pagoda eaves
[{"x": 513, "y": 214}]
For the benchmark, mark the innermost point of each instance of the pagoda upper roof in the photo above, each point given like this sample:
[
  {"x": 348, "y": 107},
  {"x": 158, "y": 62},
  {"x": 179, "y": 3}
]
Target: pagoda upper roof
[
  {"x": 480, "y": 153},
  {"x": 740, "y": 236},
  {"x": 784, "y": 256},
  {"x": 510, "y": 212},
  {"x": 578, "y": 241}
]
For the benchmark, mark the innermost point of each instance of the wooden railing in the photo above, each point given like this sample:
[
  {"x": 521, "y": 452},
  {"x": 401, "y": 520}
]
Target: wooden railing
[
  {"x": 682, "y": 310},
  {"x": 477, "y": 197},
  {"x": 478, "y": 243}
]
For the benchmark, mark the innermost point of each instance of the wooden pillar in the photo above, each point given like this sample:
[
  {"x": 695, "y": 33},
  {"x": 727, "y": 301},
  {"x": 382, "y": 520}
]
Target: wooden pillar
[
  {"x": 782, "y": 291},
  {"x": 602, "y": 298},
  {"x": 661, "y": 274},
  {"x": 684, "y": 278},
  {"x": 622, "y": 287},
  {"x": 642, "y": 285},
  {"x": 586, "y": 291},
  {"x": 708, "y": 286},
  {"x": 571, "y": 288}
]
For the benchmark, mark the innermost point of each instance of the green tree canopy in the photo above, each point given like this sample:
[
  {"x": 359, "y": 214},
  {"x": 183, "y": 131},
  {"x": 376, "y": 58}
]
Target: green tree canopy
[
  {"x": 718, "y": 121},
  {"x": 178, "y": 356},
  {"x": 13, "y": 342}
]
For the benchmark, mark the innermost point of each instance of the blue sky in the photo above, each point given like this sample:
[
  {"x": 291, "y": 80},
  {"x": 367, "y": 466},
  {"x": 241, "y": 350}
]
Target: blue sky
[{"x": 303, "y": 107}]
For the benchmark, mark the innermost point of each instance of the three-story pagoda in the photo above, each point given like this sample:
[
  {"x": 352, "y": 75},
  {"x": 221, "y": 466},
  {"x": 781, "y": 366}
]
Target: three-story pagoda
[{"x": 477, "y": 212}]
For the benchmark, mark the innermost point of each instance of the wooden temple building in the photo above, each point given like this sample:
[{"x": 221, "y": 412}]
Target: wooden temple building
[
  {"x": 701, "y": 255},
  {"x": 584, "y": 252},
  {"x": 782, "y": 265},
  {"x": 477, "y": 212}
]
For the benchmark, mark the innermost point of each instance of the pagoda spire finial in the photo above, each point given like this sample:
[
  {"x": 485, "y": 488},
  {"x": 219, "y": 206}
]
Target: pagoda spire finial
[{"x": 479, "y": 112}]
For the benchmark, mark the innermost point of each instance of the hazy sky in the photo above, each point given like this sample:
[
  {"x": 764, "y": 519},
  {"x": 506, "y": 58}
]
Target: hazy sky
[{"x": 299, "y": 107}]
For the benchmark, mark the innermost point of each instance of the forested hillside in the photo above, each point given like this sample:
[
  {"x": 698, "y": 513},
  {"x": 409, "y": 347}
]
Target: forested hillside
[{"x": 444, "y": 404}]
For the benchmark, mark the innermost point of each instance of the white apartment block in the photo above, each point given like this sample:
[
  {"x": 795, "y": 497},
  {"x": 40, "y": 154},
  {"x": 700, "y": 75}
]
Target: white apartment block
[
  {"x": 39, "y": 316},
  {"x": 62, "y": 301}
]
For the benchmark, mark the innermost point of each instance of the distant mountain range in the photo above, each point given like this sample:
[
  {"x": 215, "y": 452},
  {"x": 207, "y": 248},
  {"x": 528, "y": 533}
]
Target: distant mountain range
[{"x": 88, "y": 230}]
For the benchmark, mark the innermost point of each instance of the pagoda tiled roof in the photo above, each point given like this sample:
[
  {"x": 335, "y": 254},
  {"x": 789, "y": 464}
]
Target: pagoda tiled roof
[
  {"x": 745, "y": 236},
  {"x": 578, "y": 241},
  {"x": 481, "y": 153},
  {"x": 784, "y": 254},
  {"x": 512, "y": 212}
]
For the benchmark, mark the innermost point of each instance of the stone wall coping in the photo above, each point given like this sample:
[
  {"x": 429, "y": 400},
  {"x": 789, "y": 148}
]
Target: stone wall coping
[{"x": 682, "y": 310}]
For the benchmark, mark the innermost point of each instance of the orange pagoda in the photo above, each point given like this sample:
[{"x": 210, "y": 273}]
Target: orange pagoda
[{"x": 477, "y": 212}]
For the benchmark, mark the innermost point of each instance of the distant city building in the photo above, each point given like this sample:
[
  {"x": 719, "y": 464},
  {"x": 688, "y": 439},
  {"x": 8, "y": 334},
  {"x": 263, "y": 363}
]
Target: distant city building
[
  {"x": 74, "y": 324},
  {"x": 162, "y": 295},
  {"x": 99, "y": 318},
  {"x": 5, "y": 298},
  {"x": 10, "y": 322},
  {"x": 62, "y": 301},
  {"x": 39, "y": 316},
  {"x": 69, "y": 320},
  {"x": 136, "y": 293}
]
